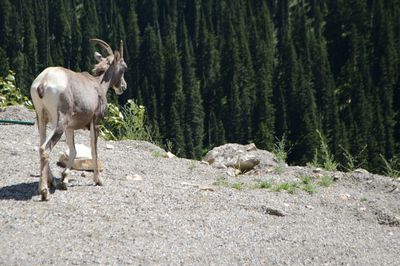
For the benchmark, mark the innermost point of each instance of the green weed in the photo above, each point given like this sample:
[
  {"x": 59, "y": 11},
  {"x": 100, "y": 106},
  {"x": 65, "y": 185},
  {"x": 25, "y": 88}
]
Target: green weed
[
  {"x": 263, "y": 185},
  {"x": 238, "y": 186},
  {"x": 289, "y": 187},
  {"x": 309, "y": 188},
  {"x": 391, "y": 167},
  {"x": 323, "y": 157},
  {"x": 220, "y": 181},
  {"x": 353, "y": 162},
  {"x": 325, "y": 181}
]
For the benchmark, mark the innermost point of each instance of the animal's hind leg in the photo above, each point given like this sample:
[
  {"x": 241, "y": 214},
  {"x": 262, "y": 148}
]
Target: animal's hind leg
[
  {"x": 45, "y": 149},
  {"x": 94, "y": 134},
  {"x": 43, "y": 186},
  {"x": 42, "y": 122},
  {"x": 69, "y": 134}
]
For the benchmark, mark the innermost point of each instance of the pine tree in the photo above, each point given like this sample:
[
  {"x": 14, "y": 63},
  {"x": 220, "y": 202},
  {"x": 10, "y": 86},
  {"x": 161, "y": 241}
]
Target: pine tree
[
  {"x": 19, "y": 62},
  {"x": 384, "y": 60},
  {"x": 76, "y": 39},
  {"x": 208, "y": 71},
  {"x": 324, "y": 84},
  {"x": 194, "y": 113},
  {"x": 246, "y": 80},
  {"x": 89, "y": 23},
  {"x": 42, "y": 34},
  {"x": 152, "y": 69},
  {"x": 60, "y": 30},
  {"x": 264, "y": 54},
  {"x": 5, "y": 25},
  {"x": 232, "y": 110},
  {"x": 132, "y": 51},
  {"x": 30, "y": 43},
  {"x": 174, "y": 98}
]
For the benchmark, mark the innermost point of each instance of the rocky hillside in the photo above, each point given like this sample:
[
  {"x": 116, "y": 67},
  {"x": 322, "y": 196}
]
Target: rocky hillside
[{"x": 159, "y": 210}]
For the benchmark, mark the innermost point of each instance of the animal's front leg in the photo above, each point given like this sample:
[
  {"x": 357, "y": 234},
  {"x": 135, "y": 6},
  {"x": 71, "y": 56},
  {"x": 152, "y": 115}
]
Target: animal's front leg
[
  {"x": 94, "y": 133},
  {"x": 69, "y": 134}
]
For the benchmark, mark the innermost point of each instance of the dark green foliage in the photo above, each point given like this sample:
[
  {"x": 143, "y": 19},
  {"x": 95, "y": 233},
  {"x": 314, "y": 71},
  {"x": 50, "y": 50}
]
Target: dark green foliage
[{"x": 211, "y": 71}]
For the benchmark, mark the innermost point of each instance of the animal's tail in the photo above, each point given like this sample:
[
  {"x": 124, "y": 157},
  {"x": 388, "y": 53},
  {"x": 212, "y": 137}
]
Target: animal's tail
[{"x": 40, "y": 90}]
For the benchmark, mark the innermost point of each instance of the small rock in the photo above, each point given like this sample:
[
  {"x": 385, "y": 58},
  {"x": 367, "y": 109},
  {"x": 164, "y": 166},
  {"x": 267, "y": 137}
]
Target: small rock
[
  {"x": 109, "y": 146},
  {"x": 272, "y": 211},
  {"x": 336, "y": 177},
  {"x": 170, "y": 155},
  {"x": 345, "y": 196},
  {"x": 360, "y": 171},
  {"x": 206, "y": 188},
  {"x": 83, "y": 160},
  {"x": 233, "y": 172},
  {"x": 317, "y": 170},
  {"x": 318, "y": 174},
  {"x": 251, "y": 147},
  {"x": 309, "y": 207},
  {"x": 204, "y": 162},
  {"x": 134, "y": 177}
]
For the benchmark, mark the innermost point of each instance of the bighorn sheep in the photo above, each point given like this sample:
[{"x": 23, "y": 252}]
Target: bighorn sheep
[{"x": 69, "y": 101}]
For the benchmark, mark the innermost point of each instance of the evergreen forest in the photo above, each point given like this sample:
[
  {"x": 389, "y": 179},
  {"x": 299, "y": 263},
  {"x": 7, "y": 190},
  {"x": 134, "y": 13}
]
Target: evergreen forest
[{"x": 215, "y": 71}]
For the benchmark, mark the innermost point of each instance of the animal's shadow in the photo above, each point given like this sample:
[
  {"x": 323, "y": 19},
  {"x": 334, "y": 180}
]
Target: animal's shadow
[{"x": 23, "y": 191}]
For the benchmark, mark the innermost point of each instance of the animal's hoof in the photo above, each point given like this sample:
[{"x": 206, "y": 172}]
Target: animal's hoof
[
  {"x": 52, "y": 183},
  {"x": 63, "y": 186},
  {"x": 44, "y": 193},
  {"x": 99, "y": 182}
]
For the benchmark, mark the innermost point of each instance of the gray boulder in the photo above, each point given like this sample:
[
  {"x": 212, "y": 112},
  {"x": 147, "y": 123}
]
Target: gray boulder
[{"x": 241, "y": 157}]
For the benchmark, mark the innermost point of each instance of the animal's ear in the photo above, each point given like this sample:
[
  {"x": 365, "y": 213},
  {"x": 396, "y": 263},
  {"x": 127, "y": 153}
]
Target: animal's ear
[
  {"x": 117, "y": 56},
  {"x": 98, "y": 57}
]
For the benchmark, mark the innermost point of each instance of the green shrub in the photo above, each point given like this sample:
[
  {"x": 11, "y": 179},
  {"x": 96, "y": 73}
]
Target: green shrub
[
  {"x": 289, "y": 187},
  {"x": 323, "y": 157},
  {"x": 263, "y": 185},
  {"x": 309, "y": 188},
  {"x": 325, "y": 181},
  {"x": 353, "y": 161},
  {"x": 391, "y": 167},
  {"x": 127, "y": 122},
  {"x": 10, "y": 94},
  {"x": 280, "y": 150}
]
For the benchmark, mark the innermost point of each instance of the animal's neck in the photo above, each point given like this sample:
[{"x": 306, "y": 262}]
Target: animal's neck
[
  {"x": 103, "y": 85},
  {"x": 105, "y": 81}
]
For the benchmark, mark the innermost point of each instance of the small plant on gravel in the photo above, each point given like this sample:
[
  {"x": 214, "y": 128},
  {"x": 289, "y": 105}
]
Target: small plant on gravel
[
  {"x": 305, "y": 179},
  {"x": 309, "y": 188},
  {"x": 307, "y": 184},
  {"x": 280, "y": 149},
  {"x": 323, "y": 157},
  {"x": 221, "y": 181},
  {"x": 263, "y": 185},
  {"x": 289, "y": 187},
  {"x": 238, "y": 186},
  {"x": 159, "y": 154},
  {"x": 325, "y": 181},
  {"x": 363, "y": 199},
  {"x": 391, "y": 167},
  {"x": 353, "y": 162},
  {"x": 192, "y": 165},
  {"x": 281, "y": 152},
  {"x": 169, "y": 146}
]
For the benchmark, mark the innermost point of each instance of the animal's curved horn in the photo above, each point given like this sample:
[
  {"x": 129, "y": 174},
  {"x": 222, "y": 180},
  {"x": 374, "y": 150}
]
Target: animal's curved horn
[
  {"x": 121, "y": 49},
  {"x": 104, "y": 45}
]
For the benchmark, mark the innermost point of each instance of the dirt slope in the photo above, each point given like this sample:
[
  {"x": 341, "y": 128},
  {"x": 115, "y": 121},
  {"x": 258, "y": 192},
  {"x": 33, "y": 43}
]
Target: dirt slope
[{"x": 183, "y": 212}]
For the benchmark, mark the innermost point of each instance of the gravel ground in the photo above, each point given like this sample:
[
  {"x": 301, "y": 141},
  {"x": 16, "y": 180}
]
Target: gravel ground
[{"x": 156, "y": 210}]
